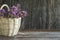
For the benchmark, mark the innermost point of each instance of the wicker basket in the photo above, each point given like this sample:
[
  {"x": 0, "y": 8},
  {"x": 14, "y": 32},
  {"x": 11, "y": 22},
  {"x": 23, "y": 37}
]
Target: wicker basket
[{"x": 9, "y": 26}]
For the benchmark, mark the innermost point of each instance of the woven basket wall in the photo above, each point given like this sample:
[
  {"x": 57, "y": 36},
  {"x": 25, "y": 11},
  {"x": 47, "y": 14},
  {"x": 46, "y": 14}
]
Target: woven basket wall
[{"x": 9, "y": 26}]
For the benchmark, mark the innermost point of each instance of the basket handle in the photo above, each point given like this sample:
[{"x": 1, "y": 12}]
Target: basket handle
[{"x": 5, "y": 5}]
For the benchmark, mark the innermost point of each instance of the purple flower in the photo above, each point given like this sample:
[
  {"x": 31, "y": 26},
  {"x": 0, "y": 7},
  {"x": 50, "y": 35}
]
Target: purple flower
[
  {"x": 14, "y": 10},
  {"x": 2, "y": 12},
  {"x": 23, "y": 13}
]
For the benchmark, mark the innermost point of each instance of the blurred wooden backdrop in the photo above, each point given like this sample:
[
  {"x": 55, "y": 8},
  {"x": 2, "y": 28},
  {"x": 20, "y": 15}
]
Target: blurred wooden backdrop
[{"x": 42, "y": 14}]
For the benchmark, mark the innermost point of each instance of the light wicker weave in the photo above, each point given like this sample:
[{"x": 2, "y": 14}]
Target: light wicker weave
[{"x": 9, "y": 26}]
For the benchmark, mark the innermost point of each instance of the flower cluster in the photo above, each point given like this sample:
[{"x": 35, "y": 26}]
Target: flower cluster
[{"x": 14, "y": 12}]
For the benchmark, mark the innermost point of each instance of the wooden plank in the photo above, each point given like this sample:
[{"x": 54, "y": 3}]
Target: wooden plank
[
  {"x": 34, "y": 36},
  {"x": 39, "y": 34},
  {"x": 45, "y": 30}
]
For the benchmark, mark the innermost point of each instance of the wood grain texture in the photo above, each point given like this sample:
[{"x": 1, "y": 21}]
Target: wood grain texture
[
  {"x": 34, "y": 36},
  {"x": 42, "y": 14}
]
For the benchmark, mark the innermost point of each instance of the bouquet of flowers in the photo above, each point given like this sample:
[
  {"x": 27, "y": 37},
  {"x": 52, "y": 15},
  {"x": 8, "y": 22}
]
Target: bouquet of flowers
[{"x": 14, "y": 12}]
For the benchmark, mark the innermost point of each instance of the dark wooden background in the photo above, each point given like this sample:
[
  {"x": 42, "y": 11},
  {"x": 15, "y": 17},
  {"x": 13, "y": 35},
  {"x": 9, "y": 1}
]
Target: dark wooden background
[{"x": 42, "y": 14}]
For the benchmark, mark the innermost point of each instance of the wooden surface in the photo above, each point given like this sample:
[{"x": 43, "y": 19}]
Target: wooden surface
[{"x": 34, "y": 36}]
